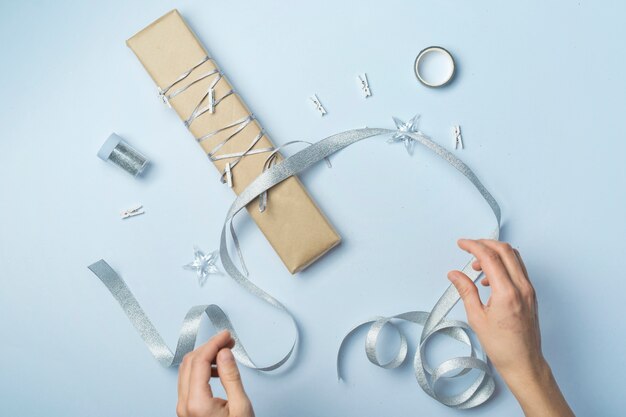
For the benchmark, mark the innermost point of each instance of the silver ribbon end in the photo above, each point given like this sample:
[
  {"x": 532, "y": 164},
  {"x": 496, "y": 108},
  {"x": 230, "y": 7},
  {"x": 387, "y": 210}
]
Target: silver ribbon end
[{"x": 98, "y": 266}]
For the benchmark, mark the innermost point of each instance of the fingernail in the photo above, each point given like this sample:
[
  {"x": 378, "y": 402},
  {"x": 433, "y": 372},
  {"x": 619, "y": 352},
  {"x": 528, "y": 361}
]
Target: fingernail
[
  {"x": 225, "y": 355},
  {"x": 452, "y": 276}
]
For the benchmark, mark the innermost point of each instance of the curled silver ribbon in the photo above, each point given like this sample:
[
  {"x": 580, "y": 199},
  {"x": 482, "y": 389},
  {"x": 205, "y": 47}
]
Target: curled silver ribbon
[
  {"x": 434, "y": 322},
  {"x": 147, "y": 331}
]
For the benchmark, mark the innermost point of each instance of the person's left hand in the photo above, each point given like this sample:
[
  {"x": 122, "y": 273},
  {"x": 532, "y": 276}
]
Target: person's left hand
[{"x": 195, "y": 397}]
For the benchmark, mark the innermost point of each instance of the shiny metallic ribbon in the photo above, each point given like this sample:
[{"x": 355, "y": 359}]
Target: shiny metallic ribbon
[
  {"x": 167, "y": 94},
  {"x": 433, "y": 322}
]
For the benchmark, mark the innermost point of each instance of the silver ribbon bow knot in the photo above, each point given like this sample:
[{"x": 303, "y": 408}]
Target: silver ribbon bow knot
[{"x": 434, "y": 322}]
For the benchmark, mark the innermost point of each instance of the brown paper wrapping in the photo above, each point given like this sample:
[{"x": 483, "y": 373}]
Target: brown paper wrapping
[{"x": 292, "y": 223}]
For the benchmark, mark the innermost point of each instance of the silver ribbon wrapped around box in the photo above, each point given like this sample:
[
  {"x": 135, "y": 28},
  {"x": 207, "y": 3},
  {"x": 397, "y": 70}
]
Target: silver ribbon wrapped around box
[{"x": 190, "y": 82}]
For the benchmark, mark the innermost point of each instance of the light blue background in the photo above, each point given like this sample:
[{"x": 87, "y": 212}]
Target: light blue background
[{"x": 540, "y": 95}]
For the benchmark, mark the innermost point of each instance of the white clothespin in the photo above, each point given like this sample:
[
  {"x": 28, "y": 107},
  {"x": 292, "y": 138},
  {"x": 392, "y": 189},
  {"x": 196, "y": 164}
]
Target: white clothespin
[
  {"x": 133, "y": 211},
  {"x": 318, "y": 104},
  {"x": 458, "y": 138},
  {"x": 365, "y": 86},
  {"x": 229, "y": 175},
  {"x": 163, "y": 97}
]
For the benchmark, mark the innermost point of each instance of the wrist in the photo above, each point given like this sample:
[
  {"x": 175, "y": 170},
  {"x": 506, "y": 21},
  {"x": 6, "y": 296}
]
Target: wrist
[
  {"x": 537, "y": 391},
  {"x": 535, "y": 375}
]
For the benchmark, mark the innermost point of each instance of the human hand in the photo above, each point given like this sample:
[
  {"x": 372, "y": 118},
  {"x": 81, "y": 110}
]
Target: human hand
[
  {"x": 195, "y": 397},
  {"x": 508, "y": 325}
]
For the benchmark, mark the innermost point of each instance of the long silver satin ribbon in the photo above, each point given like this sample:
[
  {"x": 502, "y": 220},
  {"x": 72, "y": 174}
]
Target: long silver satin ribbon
[{"x": 433, "y": 322}]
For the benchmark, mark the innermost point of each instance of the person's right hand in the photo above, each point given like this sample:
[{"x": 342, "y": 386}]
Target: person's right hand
[
  {"x": 195, "y": 397},
  {"x": 508, "y": 325}
]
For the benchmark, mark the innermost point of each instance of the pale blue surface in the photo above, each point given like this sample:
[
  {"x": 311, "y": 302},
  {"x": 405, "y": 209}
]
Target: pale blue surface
[{"x": 540, "y": 95}]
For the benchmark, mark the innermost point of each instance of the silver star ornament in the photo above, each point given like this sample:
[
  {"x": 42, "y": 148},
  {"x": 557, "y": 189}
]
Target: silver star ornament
[
  {"x": 403, "y": 128},
  {"x": 203, "y": 264}
]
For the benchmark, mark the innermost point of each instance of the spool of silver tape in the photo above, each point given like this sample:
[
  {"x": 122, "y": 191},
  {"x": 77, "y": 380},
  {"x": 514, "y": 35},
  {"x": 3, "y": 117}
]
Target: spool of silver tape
[{"x": 434, "y": 67}]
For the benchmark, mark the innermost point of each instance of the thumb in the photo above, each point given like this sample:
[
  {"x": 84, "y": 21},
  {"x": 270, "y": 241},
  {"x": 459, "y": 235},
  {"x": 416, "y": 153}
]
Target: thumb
[
  {"x": 231, "y": 380},
  {"x": 468, "y": 292}
]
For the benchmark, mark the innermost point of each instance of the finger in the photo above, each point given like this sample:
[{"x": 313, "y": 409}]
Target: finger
[
  {"x": 530, "y": 289},
  {"x": 476, "y": 266},
  {"x": 484, "y": 282},
  {"x": 200, "y": 365},
  {"x": 469, "y": 294},
  {"x": 183, "y": 382},
  {"x": 230, "y": 377},
  {"x": 510, "y": 261},
  {"x": 491, "y": 264},
  {"x": 521, "y": 261},
  {"x": 214, "y": 373}
]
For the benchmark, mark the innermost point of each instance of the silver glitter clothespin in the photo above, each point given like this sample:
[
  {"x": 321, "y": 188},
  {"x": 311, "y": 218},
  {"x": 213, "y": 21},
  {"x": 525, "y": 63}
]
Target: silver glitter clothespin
[
  {"x": 365, "y": 86},
  {"x": 318, "y": 104},
  {"x": 133, "y": 211},
  {"x": 458, "y": 138},
  {"x": 211, "y": 100}
]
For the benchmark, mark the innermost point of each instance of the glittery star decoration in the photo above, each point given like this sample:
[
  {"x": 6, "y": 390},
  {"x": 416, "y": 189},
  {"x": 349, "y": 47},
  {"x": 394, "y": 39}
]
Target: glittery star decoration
[
  {"x": 204, "y": 265},
  {"x": 403, "y": 128}
]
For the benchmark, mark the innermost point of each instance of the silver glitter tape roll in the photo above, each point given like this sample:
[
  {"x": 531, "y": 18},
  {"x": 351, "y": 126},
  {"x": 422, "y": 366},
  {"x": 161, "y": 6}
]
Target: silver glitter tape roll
[
  {"x": 434, "y": 67},
  {"x": 117, "y": 151}
]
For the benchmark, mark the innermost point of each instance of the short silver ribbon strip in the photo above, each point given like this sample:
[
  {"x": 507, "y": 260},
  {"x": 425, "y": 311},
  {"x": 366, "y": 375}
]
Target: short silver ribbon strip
[{"x": 434, "y": 322}]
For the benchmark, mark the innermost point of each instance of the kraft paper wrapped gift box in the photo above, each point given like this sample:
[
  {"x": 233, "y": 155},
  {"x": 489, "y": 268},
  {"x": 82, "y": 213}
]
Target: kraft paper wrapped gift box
[{"x": 292, "y": 223}]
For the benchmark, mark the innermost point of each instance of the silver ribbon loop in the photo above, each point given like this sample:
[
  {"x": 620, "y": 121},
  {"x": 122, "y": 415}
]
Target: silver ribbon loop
[
  {"x": 433, "y": 322},
  {"x": 479, "y": 391},
  {"x": 371, "y": 342},
  {"x": 483, "y": 386}
]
